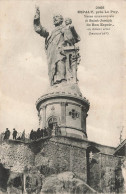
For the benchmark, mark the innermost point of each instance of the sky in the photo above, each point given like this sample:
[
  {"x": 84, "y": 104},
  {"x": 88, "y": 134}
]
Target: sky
[{"x": 24, "y": 73}]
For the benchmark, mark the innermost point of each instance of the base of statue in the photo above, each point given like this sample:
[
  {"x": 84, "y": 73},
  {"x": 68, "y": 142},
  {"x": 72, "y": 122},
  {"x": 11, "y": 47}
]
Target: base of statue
[{"x": 63, "y": 105}]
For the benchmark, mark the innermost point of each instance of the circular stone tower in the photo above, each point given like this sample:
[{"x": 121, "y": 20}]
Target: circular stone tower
[{"x": 63, "y": 105}]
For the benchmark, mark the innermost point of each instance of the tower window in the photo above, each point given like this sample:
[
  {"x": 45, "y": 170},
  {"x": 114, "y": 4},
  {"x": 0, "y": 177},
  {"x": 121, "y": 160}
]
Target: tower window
[{"x": 74, "y": 114}]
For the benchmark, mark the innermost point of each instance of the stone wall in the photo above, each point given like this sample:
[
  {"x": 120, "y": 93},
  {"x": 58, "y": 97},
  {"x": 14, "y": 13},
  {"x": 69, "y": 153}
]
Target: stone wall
[
  {"x": 105, "y": 174},
  {"x": 59, "y": 157},
  {"x": 16, "y": 155}
]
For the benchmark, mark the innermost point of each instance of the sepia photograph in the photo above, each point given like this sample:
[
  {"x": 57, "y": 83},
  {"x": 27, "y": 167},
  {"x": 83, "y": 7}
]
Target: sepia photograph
[{"x": 62, "y": 96}]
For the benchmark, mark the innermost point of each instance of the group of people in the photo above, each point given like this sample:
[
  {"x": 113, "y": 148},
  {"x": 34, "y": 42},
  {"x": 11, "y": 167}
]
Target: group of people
[
  {"x": 40, "y": 133},
  {"x": 34, "y": 134},
  {"x": 7, "y": 134},
  {"x": 46, "y": 132}
]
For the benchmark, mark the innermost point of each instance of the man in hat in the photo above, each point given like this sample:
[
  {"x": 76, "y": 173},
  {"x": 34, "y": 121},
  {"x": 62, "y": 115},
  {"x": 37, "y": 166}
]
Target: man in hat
[{"x": 14, "y": 133}]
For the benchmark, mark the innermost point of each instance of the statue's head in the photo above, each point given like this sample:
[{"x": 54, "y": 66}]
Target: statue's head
[
  {"x": 57, "y": 20},
  {"x": 68, "y": 21}
]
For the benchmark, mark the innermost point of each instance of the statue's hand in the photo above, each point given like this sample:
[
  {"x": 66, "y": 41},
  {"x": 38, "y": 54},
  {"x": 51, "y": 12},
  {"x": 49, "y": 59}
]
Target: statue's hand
[
  {"x": 37, "y": 25},
  {"x": 37, "y": 9},
  {"x": 37, "y": 14}
]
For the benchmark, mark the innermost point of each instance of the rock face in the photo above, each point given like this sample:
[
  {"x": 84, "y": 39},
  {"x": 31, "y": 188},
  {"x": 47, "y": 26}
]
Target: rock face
[
  {"x": 33, "y": 180},
  {"x": 3, "y": 179},
  {"x": 65, "y": 182},
  {"x": 16, "y": 155}
]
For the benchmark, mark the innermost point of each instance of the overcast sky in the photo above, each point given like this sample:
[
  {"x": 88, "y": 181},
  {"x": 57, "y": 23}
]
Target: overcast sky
[{"x": 23, "y": 66}]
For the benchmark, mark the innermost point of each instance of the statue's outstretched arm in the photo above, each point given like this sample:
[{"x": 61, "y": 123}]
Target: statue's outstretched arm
[{"x": 37, "y": 25}]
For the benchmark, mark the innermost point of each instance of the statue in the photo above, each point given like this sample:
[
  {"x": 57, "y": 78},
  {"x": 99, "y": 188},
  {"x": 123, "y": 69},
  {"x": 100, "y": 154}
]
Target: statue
[
  {"x": 70, "y": 35},
  {"x": 56, "y": 44}
]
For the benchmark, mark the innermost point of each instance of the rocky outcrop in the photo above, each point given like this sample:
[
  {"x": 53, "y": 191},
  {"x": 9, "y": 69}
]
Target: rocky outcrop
[
  {"x": 4, "y": 176},
  {"x": 16, "y": 155},
  {"x": 65, "y": 182}
]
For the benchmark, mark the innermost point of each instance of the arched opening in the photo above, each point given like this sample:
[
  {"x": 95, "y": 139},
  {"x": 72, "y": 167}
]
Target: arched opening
[{"x": 52, "y": 123}]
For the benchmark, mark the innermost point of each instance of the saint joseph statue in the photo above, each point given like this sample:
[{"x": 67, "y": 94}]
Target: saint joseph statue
[{"x": 54, "y": 46}]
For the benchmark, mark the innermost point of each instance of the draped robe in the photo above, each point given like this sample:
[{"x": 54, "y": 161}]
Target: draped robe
[{"x": 53, "y": 47}]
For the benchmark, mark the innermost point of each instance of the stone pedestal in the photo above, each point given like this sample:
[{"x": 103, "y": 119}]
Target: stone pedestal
[{"x": 65, "y": 106}]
